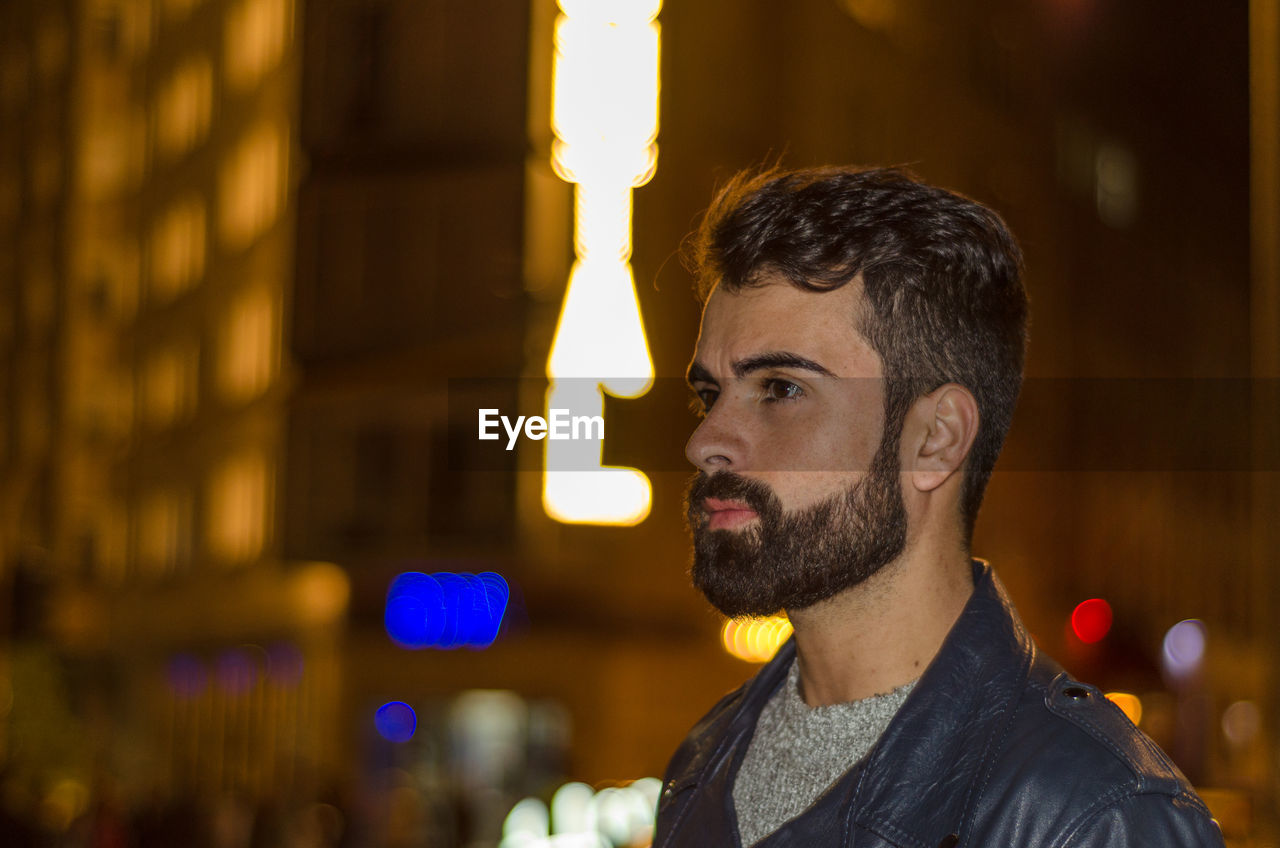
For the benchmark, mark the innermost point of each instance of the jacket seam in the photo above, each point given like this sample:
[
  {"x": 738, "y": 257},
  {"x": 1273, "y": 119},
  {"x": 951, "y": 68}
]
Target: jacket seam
[
  {"x": 1097, "y": 733},
  {"x": 1142, "y": 787},
  {"x": 1114, "y": 799},
  {"x": 691, "y": 781},
  {"x": 1106, "y": 801},
  {"x": 853, "y": 806},
  {"x": 885, "y": 830},
  {"x": 680, "y": 814},
  {"x": 730, "y": 709},
  {"x": 692, "y": 785},
  {"x": 989, "y": 753}
]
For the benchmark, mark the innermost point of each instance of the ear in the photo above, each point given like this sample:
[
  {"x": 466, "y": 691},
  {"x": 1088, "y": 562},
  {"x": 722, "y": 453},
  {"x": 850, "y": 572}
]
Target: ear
[{"x": 945, "y": 423}]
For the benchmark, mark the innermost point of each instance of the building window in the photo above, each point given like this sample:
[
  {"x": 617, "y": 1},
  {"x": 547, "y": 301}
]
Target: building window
[
  {"x": 184, "y": 107},
  {"x": 164, "y": 531},
  {"x": 248, "y": 346},
  {"x": 169, "y": 385},
  {"x": 177, "y": 9},
  {"x": 178, "y": 248},
  {"x": 51, "y": 48},
  {"x": 237, "y": 501},
  {"x": 257, "y": 32},
  {"x": 251, "y": 184},
  {"x": 135, "y": 27},
  {"x": 117, "y": 270},
  {"x": 104, "y": 154}
]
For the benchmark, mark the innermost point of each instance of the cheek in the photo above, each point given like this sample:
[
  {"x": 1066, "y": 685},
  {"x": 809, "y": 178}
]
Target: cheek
[
  {"x": 801, "y": 489},
  {"x": 832, "y": 445},
  {"x": 807, "y": 460}
]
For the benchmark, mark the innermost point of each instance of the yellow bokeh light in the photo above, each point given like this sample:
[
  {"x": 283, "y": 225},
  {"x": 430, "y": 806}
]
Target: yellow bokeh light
[
  {"x": 237, "y": 500},
  {"x": 184, "y": 107},
  {"x": 755, "y": 640},
  {"x": 1129, "y": 704},
  {"x": 248, "y": 341},
  {"x": 251, "y": 185},
  {"x": 605, "y": 82}
]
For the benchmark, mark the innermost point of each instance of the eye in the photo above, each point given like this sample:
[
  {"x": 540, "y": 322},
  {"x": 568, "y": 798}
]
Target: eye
[
  {"x": 774, "y": 389},
  {"x": 702, "y": 401}
]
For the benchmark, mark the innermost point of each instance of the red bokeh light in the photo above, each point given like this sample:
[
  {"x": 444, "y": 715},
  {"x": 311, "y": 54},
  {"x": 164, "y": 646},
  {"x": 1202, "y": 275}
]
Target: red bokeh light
[{"x": 1091, "y": 620}]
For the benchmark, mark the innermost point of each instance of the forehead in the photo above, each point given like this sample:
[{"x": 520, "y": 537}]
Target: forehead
[{"x": 778, "y": 316}]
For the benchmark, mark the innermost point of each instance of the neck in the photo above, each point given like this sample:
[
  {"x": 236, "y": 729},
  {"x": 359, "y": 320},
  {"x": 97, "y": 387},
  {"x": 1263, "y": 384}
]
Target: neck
[{"x": 880, "y": 634}]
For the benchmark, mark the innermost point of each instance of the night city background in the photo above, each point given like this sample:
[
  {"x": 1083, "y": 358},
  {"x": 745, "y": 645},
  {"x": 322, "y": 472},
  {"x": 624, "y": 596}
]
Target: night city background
[{"x": 261, "y": 261}]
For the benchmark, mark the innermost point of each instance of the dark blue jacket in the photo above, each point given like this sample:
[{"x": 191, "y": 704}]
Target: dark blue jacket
[{"x": 995, "y": 746}]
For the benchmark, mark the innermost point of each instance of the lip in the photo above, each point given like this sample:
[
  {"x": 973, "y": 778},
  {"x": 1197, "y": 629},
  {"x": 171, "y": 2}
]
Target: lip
[{"x": 727, "y": 515}]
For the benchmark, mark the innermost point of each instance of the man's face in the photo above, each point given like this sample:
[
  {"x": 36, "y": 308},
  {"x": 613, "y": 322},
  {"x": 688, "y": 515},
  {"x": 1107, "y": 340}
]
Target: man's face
[{"x": 798, "y": 497}]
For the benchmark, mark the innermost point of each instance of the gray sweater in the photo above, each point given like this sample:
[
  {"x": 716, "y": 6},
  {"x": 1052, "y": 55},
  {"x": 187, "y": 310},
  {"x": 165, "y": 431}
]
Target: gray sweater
[{"x": 797, "y": 752}]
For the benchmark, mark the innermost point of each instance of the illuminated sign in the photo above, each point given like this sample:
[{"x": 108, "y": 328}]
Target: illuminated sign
[
  {"x": 446, "y": 610},
  {"x": 605, "y": 118}
]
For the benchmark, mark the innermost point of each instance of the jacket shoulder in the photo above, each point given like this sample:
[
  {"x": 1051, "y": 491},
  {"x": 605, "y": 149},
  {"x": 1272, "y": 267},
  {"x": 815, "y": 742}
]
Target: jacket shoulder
[
  {"x": 1068, "y": 742},
  {"x": 1077, "y": 717}
]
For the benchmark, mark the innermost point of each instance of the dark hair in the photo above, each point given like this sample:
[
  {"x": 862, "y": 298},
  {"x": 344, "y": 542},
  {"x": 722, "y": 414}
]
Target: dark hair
[{"x": 941, "y": 273}]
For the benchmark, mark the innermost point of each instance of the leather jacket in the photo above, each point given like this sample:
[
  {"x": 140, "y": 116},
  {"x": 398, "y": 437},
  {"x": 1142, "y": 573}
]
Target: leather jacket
[{"x": 995, "y": 746}]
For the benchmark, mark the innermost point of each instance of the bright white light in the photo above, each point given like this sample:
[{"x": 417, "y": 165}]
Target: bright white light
[
  {"x": 619, "y": 496},
  {"x": 605, "y": 89},
  {"x": 576, "y": 487},
  {"x": 570, "y": 808},
  {"x": 528, "y": 818},
  {"x": 649, "y": 788},
  {"x": 580, "y": 818},
  {"x": 602, "y": 226},
  {"x": 1184, "y": 647},
  {"x": 619, "y": 813},
  {"x": 600, "y": 335},
  {"x": 605, "y": 82}
]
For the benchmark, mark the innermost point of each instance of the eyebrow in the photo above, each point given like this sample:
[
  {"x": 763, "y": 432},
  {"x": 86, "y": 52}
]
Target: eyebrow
[{"x": 771, "y": 359}]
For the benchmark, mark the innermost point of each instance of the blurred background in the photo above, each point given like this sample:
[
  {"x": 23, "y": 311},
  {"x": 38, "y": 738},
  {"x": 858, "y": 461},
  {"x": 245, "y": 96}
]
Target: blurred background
[{"x": 261, "y": 261}]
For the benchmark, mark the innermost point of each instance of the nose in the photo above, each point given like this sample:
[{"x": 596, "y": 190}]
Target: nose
[{"x": 716, "y": 445}]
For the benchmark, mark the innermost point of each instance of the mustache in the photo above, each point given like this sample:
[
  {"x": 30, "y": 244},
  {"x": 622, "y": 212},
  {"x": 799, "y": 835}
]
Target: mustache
[{"x": 728, "y": 486}]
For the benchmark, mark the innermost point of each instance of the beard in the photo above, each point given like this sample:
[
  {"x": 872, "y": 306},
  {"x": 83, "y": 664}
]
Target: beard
[{"x": 792, "y": 560}]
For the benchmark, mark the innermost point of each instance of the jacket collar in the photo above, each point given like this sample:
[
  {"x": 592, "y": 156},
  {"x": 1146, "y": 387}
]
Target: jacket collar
[
  {"x": 921, "y": 780},
  {"x": 732, "y": 721}
]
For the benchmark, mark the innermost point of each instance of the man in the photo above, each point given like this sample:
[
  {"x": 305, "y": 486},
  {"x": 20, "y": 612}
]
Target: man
[{"x": 859, "y": 360}]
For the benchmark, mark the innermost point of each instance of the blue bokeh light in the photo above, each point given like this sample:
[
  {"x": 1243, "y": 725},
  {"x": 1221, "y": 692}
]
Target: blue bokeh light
[
  {"x": 395, "y": 721},
  {"x": 446, "y": 610}
]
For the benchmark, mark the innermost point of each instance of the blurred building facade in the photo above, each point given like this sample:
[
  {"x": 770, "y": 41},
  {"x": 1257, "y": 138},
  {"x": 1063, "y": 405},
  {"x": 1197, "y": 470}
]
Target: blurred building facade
[
  {"x": 143, "y": 484},
  {"x": 259, "y": 253}
]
